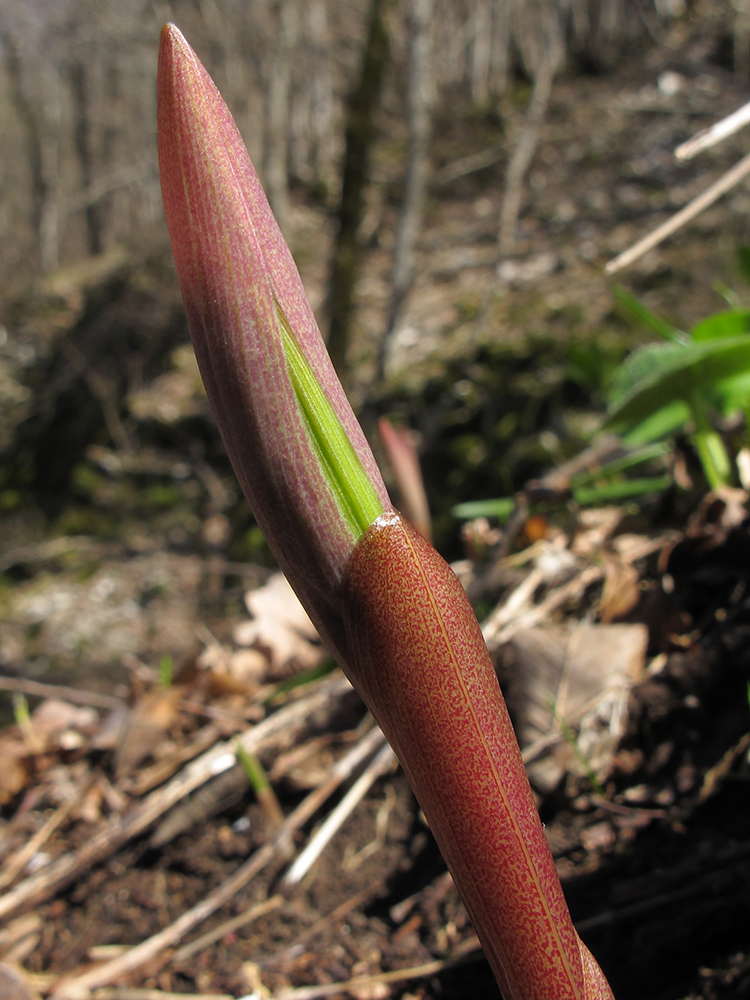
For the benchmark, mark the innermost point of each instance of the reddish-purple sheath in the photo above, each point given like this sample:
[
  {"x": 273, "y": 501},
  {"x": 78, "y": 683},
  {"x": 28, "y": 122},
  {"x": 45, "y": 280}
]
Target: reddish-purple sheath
[
  {"x": 236, "y": 273},
  {"x": 420, "y": 662}
]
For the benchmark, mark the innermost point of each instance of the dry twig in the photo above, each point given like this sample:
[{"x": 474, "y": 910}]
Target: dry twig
[
  {"x": 241, "y": 920},
  {"x": 518, "y": 612},
  {"x": 524, "y": 151},
  {"x": 394, "y": 976},
  {"x": 18, "y": 861},
  {"x": 338, "y": 816},
  {"x": 724, "y": 184},
  {"x": 36, "y": 689},
  {"x": 715, "y": 134},
  {"x": 134, "y": 993}
]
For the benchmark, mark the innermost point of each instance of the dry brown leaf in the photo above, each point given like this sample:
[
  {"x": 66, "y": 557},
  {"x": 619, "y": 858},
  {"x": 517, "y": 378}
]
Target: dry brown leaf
[
  {"x": 253, "y": 981},
  {"x": 304, "y": 766},
  {"x": 233, "y": 672},
  {"x": 13, "y": 773},
  {"x": 595, "y": 528},
  {"x": 111, "y": 729},
  {"x": 621, "y": 592},
  {"x": 720, "y": 511},
  {"x": 280, "y": 627},
  {"x": 629, "y": 547},
  {"x": 578, "y": 675},
  {"x": 149, "y": 720},
  {"x": 599, "y": 837},
  {"x": 59, "y": 725}
]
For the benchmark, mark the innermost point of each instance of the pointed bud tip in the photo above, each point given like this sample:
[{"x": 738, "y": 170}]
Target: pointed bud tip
[
  {"x": 173, "y": 45},
  {"x": 171, "y": 35}
]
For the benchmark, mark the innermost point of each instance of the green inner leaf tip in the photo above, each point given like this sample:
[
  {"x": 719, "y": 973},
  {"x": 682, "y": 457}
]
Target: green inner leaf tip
[{"x": 344, "y": 471}]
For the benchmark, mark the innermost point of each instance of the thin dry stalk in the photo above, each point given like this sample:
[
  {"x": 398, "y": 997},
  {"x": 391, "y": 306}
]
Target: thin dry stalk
[
  {"x": 36, "y": 689},
  {"x": 335, "y": 915},
  {"x": 467, "y": 165},
  {"x": 133, "y": 993},
  {"x": 338, "y": 816},
  {"x": 715, "y": 134},
  {"x": 241, "y": 920},
  {"x": 501, "y": 626},
  {"x": 421, "y": 92},
  {"x": 394, "y": 976},
  {"x": 495, "y": 635},
  {"x": 724, "y": 184},
  {"x": 18, "y": 861}
]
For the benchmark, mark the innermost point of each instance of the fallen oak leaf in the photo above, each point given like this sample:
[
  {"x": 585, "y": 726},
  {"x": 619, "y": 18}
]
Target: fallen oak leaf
[{"x": 281, "y": 628}]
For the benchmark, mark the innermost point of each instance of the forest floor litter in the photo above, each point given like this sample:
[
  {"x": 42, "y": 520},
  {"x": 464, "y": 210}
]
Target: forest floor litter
[
  {"x": 137, "y": 856},
  {"x": 138, "y": 859}
]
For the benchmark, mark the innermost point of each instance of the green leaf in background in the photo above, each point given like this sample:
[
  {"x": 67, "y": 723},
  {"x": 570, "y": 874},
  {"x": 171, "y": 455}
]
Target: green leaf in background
[
  {"x": 643, "y": 364},
  {"x": 743, "y": 260},
  {"x": 621, "y": 464},
  {"x": 648, "y": 318},
  {"x": 732, "y": 395},
  {"x": 592, "y": 366},
  {"x": 166, "y": 671},
  {"x": 622, "y": 489},
  {"x": 501, "y": 509},
  {"x": 730, "y": 323},
  {"x": 662, "y": 374},
  {"x": 666, "y": 422}
]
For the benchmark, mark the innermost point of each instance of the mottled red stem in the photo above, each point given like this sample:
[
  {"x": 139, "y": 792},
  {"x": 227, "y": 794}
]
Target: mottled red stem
[{"x": 419, "y": 661}]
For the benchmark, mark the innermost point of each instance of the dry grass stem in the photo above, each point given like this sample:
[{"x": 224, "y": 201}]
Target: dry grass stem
[
  {"x": 18, "y": 861},
  {"x": 724, "y": 184},
  {"x": 134, "y": 993},
  {"x": 715, "y": 134},
  {"x": 525, "y": 148},
  {"x": 36, "y": 689},
  {"x": 324, "y": 922},
  {"x": 503, "y": 624},
  {"x": 338, "y": 816},
  {"x": 393, "y": 976},
  {"x": 241, "y": 920}
]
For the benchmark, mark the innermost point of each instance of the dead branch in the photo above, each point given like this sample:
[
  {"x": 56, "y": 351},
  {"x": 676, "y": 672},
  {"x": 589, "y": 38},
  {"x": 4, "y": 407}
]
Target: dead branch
[
  {"x": 334, "y": 821},
  {"x": 60, "y": 691},
  {"x": 393, "y": 976},
  {"x": 241, "y": 920},
  {"x": 724, "y": 184},
  {"x": 715, "y": 134}
]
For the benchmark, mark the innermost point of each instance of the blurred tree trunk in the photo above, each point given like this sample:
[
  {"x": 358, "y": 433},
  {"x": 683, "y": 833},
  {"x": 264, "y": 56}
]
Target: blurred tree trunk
[
  {"x": 277, "y": 125},
  {"x": 313, "y": 134},
  {"x": 490, "y": 49},
  {"x": 421, "y": 90},
  {"x": 523, "y": 154},
  {"x": 359, "y": 136},
  {"x": 44, "y": 210},
  {"x": 82, "y": 139},
  {"x": 742, "y": 40}
]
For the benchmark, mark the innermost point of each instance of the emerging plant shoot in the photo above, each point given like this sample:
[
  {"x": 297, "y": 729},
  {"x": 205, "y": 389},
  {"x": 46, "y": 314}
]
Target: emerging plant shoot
[{"x": 389, "y": 607}]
